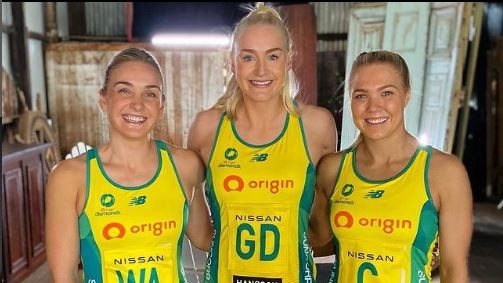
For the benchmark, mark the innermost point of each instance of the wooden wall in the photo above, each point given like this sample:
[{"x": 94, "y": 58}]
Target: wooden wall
[{"x": 301, "y": 21}]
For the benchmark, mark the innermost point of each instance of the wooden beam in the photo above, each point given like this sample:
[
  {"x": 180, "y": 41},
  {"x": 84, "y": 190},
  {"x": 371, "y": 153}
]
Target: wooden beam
[
  {"x": 332, "y": 36},
  {"x": 472, "y": 64},
  {"x": 301, "y": 22},
  {"x": 457, "y": 88},
  {"x": 19, "y": 52},
  {"x": 77, "y": 18}
]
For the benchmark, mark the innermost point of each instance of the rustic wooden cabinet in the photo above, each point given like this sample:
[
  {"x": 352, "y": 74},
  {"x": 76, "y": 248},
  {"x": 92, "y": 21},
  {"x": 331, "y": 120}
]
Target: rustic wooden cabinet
[{"x": 23, "y": 183}]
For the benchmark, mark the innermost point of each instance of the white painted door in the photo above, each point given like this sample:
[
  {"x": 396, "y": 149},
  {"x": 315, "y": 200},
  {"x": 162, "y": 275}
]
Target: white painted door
[
  {"x": 440, "y": 74},
  {"x": 405, "y": 33},
  {"x": 366, "y": 32}
]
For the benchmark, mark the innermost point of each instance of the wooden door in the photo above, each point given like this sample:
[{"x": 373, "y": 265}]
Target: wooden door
[
  {"x": 405, "y": 32},
  {"x": 35, "y": 192},
  {"x": 366, "y": 32},
  {"x": 23, "y": 213},
  {"x": 14, "y": 229},
  {"x": 445, "y": 45}
]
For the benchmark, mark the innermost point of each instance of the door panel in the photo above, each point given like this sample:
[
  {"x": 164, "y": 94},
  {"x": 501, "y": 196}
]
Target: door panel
[
  {"x": 366, "y": 30},
  {"x": 14, "y": 220},
  {"x": 445, "y": 26},
  {"x": 405, "y": 33},
  {"x": 36, "y": 201}
]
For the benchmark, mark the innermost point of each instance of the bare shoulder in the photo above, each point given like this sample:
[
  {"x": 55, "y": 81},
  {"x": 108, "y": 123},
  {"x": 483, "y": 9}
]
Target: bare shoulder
[
  {"x": 445, "y": 166},
  {"x": 320, "y": 130},
  {"x": 203, "y": 128},
  {"x": 448, "y": 179},
  {"x": 209, "y": 114},
  {"x": 183, "y": 155},
  {"x": 187, "y": 162},
  {"x": 330, "y": 162},
  {"x": 69, "y": 173},
  {"x": 327, "y": 172},
  {"x": 314, "y": 114},
  {"x": 72, "y": 166},
  {"x": 206, "y": 121}
]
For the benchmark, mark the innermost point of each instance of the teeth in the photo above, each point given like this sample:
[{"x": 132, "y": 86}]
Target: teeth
[
  {"x": 134, "y": 119},
  {"x": 375, "y": 121},
  {"x": 261, "y": 83}
]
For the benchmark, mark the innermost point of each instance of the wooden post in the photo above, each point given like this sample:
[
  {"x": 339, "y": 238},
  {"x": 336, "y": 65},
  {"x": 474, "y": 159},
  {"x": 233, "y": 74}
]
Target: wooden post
[
  {"x": 51, "y": 23},
  {"x": 472, "y": 63},
  {"x": 301, "y": 22},
  {"x": 19, "y": 52}
]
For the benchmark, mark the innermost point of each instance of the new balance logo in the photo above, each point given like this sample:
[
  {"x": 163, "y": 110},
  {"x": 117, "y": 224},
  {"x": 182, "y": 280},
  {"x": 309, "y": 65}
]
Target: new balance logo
[
  {"x": 375, "y": 194},
  {"x": 259, "y": 157},
  {"x": 138, "y": 200}
]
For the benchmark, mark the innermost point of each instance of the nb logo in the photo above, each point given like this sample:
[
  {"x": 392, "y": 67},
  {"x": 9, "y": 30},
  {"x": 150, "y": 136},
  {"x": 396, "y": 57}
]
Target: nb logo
[
  {"x": 138, "y": 200},
  {"x": 259, "y": 157},
  {"x": 375, "y": 194}
]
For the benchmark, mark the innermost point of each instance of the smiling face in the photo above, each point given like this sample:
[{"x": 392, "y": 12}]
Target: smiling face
[
  {"x": 261, "y": 62},
  {"x": 378, "y": 100},
  {"x": 133, "y": 99}
]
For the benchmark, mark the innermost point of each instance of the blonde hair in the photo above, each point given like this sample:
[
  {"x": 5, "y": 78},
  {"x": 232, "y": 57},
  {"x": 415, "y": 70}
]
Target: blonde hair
[{"x": 233, "y": 96}]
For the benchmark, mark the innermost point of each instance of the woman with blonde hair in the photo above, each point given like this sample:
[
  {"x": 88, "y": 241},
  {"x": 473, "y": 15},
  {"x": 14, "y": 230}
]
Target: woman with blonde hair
[{"x": 261, "y": 149}]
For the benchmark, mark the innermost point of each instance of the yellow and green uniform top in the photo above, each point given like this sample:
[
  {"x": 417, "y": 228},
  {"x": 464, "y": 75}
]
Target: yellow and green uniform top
[
  {"x": 133, "y": 234},
  {"x": 385, "y": 230},
  {"x": 260, "y": 197}
]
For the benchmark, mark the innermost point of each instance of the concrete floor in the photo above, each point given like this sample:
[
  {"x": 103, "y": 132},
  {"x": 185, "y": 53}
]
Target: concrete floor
[{"x": 486, "y": 253}]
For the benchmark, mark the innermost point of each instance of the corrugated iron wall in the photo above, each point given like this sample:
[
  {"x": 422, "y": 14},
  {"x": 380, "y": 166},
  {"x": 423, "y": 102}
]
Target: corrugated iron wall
[
  {"x": 109, "y": 19},
  {"x": 105, "y": 18},
  {"x": 332, "y": 18}
]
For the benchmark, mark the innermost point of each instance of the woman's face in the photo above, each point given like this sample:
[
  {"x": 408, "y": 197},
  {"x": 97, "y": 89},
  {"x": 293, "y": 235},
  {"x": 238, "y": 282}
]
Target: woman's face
[
  {"x": 133, "y": 99},
  {"x": 378, "y": 100},
  {"x": 261, "y": 62}
]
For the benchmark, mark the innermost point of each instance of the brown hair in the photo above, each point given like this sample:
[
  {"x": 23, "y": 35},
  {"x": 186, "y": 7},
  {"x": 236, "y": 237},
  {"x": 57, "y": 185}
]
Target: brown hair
[
  {"x": 129, "y": 55},
  {"x": 382, "y": 57}
]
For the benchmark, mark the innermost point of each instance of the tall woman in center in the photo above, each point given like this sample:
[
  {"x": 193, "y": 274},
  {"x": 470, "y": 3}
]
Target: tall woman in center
[{"x": 261, "y": 149}]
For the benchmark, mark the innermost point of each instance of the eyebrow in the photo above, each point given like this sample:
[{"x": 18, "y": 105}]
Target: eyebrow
[
  {"x": 267, "y": 51},
  {"x": 130, "y": 84},
  {"x": 386, "y": 86},
  {"x": 379, "y": 89}
]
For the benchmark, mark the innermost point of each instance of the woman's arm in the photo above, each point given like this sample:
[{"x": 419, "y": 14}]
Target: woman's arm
[
  {"x": 61, "y": 220},
  {"x": 320, "y": 130},
  {"x": 200, "y": 140},
  {"x": 320, "y": 231},
  {"x": 199, "y": 228},
  {"x": 449, "y": 182},
  {"x": 202, "y": 133}
]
